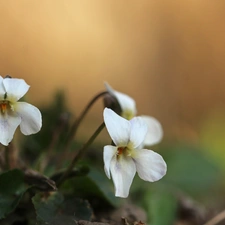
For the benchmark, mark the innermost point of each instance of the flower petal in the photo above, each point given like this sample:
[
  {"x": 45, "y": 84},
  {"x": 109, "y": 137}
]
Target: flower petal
[
  {"x": 8, "y": 125},
  {"x": 2, "y": 89},
  {"x": 138, "y": 131},
  {"x": 127, "y": 103},
  {"x": 123, "y": 171},
  {"x": 155, "y": 131},
  {"x": 150, "y": 165},
  {"x": 31, "y": 120},
  {"x": 15, "y": 88},
  {"x": 118, "y": 127},
  {"x": 109, "y": 152}
]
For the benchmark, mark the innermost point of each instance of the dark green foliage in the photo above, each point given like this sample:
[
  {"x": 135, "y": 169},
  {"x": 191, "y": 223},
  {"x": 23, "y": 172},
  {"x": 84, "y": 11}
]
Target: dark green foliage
[
  {"x": 95, "y": 187},
  {"x": 54, "y": 209},
  {"x": 12, "y": 189}
]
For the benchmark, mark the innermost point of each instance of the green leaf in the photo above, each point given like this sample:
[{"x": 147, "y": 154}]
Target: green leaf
[
  {"x": 161, "y": 207},
  {"x": 190, "y": 170},
  {"x": 55, "y": 209},
  {"x": 11, "y": 181},
  {"x": 12, "y": 189},
  {"x": 95, "y": 185}
]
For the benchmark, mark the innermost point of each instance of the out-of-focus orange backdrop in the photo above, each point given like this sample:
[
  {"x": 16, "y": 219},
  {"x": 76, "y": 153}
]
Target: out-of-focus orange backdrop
[{"x": 168, "y": 55}]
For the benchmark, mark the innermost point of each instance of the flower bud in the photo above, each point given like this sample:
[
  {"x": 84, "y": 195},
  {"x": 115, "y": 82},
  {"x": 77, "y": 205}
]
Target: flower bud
[{"x": 112, "y": 103}]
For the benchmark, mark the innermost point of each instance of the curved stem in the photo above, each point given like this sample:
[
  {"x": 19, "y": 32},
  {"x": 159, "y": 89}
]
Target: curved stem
[
  {"x": 79, "y": 154},
  {"x": 76, "y": 124}
]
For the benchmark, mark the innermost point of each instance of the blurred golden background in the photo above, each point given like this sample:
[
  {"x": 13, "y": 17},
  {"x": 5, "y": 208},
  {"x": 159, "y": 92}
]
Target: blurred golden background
[{"x": 167, "y": 55}]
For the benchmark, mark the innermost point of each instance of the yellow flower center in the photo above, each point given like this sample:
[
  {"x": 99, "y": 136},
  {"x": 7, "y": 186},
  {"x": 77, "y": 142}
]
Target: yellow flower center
[{"x": 127, "y": 114}]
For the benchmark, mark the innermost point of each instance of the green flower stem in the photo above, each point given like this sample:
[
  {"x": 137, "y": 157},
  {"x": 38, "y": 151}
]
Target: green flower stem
[
  {"x": 76, "y": 124},
  {"x": 79, "y": 154}
]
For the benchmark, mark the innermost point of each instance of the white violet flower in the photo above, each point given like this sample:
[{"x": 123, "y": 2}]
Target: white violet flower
[
  {"x": 123, "y": 160},
  {"x": 128, "y": 107},
  {"x": 14, "y": 113}
]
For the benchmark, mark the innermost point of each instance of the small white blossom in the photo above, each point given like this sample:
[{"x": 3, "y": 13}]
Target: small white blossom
[
  {"x": 123, "y": 160},
  {"x": 128, "y": 107},
  {"x": 14, "y": 113}
]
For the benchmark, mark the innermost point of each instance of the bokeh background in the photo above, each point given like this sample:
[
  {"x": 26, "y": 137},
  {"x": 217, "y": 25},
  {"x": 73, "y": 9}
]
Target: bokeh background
[{"x": 168, "y": 55}]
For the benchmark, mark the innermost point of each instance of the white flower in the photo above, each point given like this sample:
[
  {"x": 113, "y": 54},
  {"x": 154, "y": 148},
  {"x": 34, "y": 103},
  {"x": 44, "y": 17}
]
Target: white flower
[
  {"x": 123, "y": 160},
  {"x": 13, "y": 113},
  {"x": 128, "y": 107}
]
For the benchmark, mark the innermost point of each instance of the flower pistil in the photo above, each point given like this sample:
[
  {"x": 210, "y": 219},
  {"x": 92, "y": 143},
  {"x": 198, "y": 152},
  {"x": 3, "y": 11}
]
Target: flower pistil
[
  {"x": 4, "y": 105},
  {"x": 123, "y": 151},
  {"x": 120, "y": 150}
]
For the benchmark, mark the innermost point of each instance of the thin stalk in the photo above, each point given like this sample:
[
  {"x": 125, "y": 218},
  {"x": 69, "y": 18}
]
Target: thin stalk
[
  {"x": 80, "y": 153},
  {"x": 217, "y": 219},
  {"x": 76, "y": 124}
]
